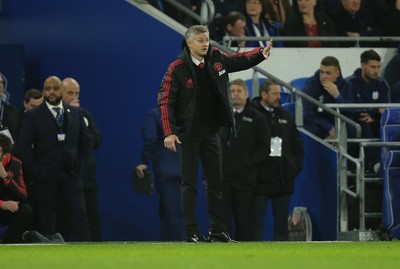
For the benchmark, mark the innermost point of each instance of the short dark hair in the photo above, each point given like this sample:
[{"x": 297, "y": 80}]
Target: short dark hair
[
  {"x": 240, "y": 82},
  {"x": 5, "y": 143},
  {"x": 330, "y": 61},
  {"x": 369, "y": 55},
  {"x": 233, "y": 17},
  {"x": 265, "y": 86},
  {"x": 32, "y": 94}
]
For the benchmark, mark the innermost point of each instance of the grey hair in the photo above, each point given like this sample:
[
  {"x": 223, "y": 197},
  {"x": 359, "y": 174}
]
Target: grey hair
[{"x": 195, "y": 30}]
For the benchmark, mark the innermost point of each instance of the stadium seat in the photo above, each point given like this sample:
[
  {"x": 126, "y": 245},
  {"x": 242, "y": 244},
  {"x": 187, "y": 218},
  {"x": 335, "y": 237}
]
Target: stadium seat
[
  {"x": 290, "y": 106},
  {"x": 298, "y": 83},
  {"x": 3, "y": 230},
  {"x": 391, "y": 194},
  {"x": 390, "y": 129}
]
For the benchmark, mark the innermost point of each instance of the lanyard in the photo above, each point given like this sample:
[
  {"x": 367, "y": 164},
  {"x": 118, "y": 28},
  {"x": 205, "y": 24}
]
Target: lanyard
[{"x": 258, "y": 33}]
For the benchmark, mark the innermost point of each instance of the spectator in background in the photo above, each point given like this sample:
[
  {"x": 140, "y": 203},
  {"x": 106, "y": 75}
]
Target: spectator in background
[
  {"x": 392, "y": 73},
  {"x": 258, "y": 25},
  {"x": 167, "y": 174},
  {"x": 389, "y": 21},
  {"x": 233, "y": 24},
  {"x": 308, "y": 21},
  {"x": 10, "y": 117},
  {"x": 278, "y": 10},
  {"x": 277, "y": 173},
  {"x": 241, "y": 155},
  {"x": 32, "y": 98},
  {"x": 14, "y": 212},
  {"x": 369, "y": 88},
  {"x": 327, "y": 86},
  {"x": 70, "y": 96},
  {"x": 353, "y": 20}
]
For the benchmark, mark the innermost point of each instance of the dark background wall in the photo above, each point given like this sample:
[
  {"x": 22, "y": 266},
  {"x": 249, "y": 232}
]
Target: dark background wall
[{"x": 119, "y": 55}]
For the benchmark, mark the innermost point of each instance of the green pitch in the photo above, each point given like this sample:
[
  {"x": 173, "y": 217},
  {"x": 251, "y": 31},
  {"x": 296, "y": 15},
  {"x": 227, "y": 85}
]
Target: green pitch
[{"x": 266, "y": 255}]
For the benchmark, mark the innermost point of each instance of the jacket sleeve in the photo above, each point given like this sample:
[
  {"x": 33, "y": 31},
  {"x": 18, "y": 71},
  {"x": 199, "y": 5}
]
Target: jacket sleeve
[
  {"x": 15, "y": 185},
  {"x": 167, "y": 98},
  {"x": 24, "y": 148},
  {"x": 244, "y": 60},
  {"x": 150, "y": 137}
]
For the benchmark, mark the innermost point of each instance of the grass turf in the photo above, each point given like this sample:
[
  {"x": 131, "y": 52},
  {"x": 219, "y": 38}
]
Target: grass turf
[{"x": 267, "y": 255}]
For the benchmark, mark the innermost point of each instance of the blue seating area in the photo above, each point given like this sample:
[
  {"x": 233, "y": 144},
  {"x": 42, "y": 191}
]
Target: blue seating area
[{"x": 391, "y": 194}]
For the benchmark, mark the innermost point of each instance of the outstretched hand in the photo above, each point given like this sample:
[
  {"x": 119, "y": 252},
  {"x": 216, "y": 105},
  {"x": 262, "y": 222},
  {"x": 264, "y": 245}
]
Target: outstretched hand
[{"x": 267, "y": 50}]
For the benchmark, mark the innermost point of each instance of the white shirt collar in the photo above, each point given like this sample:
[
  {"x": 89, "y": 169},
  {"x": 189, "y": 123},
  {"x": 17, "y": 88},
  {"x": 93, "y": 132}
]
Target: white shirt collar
[
  {"x": 195, "y": 61},
  {"x": 50, "y": 106}
]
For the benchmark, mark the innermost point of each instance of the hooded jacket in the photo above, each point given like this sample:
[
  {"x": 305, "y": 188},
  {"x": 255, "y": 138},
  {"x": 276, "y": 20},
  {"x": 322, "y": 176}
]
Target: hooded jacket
[
  {"x": 377, "y": 91},
  {"x": 179, "y": 87},
  {"x": 319, "y": 118}
]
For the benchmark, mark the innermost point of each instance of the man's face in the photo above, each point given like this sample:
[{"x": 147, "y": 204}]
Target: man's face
[
  {"x": 351, "y": 6},
  {"x": 1, "y": 85},
  {"x": 70, "y": 93},
  {"x": 273, "y": 97},
  {"x": 370, "y": 70},
  {"x": 328, "y": 73},
  {"x": 198, "y": 46},
  {"x": 52, "y": 91},
  {"x": 239, "y": 95},
  {"x": 33, "y": 103},
  {"x": 237, "y": 29}
]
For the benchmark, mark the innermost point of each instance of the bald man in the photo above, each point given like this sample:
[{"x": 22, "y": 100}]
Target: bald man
[{"x": 70, "y": 96}]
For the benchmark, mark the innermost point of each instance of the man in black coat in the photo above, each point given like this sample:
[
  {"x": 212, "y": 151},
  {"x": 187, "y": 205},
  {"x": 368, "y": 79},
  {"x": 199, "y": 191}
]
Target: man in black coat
[
  {"x": 54, "y": 146},
  {"x": 241, "y": 155},
  {"x": 194, "y": 101},
  {"x": 276, "y": 175},
  {"x": 70, "y": 96}
]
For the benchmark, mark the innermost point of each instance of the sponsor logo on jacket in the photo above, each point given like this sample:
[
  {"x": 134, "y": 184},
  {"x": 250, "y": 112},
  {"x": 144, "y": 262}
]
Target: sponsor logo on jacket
[
  {"x": 189, "y": 83},
  {"x": 247, "y": 119},
  {"x": 218, "y": 67}
]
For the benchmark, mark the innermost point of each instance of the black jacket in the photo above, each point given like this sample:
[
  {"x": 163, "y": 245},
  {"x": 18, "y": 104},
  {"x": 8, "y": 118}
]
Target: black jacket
[
  {"x": 294, "y": 26},
  {"x": 177, "y": 94},
  {"x": 276, "y": 175},
  {"x": 242, "y": 153}
]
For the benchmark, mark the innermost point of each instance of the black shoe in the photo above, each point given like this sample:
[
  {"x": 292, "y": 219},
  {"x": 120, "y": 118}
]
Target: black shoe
[
  {"x": 221, "y": 237},
  {"x": 56, "y": 238},
  {"x": 197, "y": 238},
  {"x": 34, "y": 237}
]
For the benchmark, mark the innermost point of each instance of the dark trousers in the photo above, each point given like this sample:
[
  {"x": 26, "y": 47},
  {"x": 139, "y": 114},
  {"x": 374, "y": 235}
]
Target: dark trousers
[
  {"x": 237, "y": 204},
  {"x": 70, "y": 190},
  {"x": 17, "y": 222},
  {"x": 280, "y": 211},
  {"x": 170, "y": 208},
  {"x": 93, "y": 216},
  {"x": 203, "y": 145}
]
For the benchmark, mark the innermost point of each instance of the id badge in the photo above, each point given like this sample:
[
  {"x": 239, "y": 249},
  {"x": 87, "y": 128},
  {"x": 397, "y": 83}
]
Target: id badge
[
  {"x": 276, "y": 147},
  {"x": 61, "y": 137}
]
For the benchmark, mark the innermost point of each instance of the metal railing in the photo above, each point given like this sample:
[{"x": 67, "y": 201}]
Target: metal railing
[{"x": 227, "y": 40}]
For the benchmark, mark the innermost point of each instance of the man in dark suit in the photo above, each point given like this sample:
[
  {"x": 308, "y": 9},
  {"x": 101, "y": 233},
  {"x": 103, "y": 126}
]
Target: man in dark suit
[
  {"x": 55, "y": 145},
  {"x": 70, "y": 96}
]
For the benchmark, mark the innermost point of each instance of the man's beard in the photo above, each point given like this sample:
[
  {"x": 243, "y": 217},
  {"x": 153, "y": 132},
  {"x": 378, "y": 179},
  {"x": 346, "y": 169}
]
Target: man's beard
[{"x": 54, "y": 102}]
